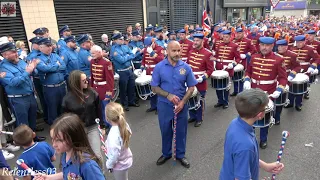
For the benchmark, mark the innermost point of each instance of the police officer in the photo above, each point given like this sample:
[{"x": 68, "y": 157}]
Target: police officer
[
  {"x": 308, "y": 58},
  {"x": 102, "y": 79},
  {"x": 202, "y": 67},
  {"x": 149, "y": 32},
  {"x": 153, "y": 54},
  {"x": 52, "y": 72},
  {"x": 63, "y": 32},
  {"x": 159, "y": 36},
  {"x": 15, "y": 78},
  {"x": 121, "y": 57},
  {"x": 168, "y": 81},
  {"x": 172, "y": 36},
  {"x": 84, "y": 55},
  {"x": 186, "y": 45},
  {"x": 264, "y": 71},
  {"x": 227, "y": 57},
  {"x": 292, "y": 68},
  {"x": 137, "y": 47},
  {"x": 70, "y": 55},
  {"x": 39, "y": 32},
  {"x": 246, "y": 50}
]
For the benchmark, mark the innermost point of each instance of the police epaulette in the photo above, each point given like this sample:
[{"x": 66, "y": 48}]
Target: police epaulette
[{"x": 278, "y": 54}]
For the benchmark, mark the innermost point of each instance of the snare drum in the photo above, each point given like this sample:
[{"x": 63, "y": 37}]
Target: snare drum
[
  {"x": 312, "y": 78},
  {"x": 137, "y": 73},
  {"x": 220, "y": 79},
  {"x": 299, "y": 85},
  {"x": 116, "y": 87},
  {"x": 194, "y": 101},
  {"x": 143, "y": 86},
  {"x": 238, "y": 73},
  {"x": 268, "y": 117},
  {"x": 283, "y": 98}
]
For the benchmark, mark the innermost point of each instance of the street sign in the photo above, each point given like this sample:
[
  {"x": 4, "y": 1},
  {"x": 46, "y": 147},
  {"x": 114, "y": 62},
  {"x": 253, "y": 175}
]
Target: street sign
[{"x": 274, "y": 3}]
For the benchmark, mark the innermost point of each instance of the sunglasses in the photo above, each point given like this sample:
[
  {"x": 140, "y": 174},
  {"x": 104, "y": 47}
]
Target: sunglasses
[{"x": 85, "y": 81}]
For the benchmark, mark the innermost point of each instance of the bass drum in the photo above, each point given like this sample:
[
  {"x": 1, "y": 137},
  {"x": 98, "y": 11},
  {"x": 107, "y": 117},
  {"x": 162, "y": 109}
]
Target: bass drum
[{"x": 116, "y": 88}]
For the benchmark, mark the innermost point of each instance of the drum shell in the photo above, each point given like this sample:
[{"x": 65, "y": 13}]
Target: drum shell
[
  {"x": 282, "y": 99},
  {"x": 264, "y": 122},
  {"x": 237, "y": 76},
  {"x": 312, "y": 78},
  {"x": 298, "y": 89}
]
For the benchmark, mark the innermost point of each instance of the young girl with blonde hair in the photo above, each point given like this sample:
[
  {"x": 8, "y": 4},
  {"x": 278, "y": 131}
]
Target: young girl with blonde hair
[{"x": 117, "y": 144}]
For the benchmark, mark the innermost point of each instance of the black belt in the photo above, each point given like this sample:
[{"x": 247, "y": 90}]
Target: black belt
[{"x": 55, "y": 85}]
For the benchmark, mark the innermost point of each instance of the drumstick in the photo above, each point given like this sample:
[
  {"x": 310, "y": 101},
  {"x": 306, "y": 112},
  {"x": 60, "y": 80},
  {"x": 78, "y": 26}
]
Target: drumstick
[
  {"x": 6, "y": 132},
  {"x": 285, "y": 135}
]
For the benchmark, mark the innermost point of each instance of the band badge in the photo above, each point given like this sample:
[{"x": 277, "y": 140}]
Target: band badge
[
  {"x": 3, "y": 74},
  {"x": 62, "y": 57},
  {"x": 182, "y": 71},
  {"x": 110, "y": 67}
]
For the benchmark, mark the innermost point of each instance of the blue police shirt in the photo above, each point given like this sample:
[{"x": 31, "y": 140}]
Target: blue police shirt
[
  {"x": 3, "y": 162},
  {"x": 32, "y": 55},
  {"x": 161, "y": 43},
  {"x": 173, "y": 79},
  {"x": 70, "y": 58},
  {"x": 62, "y": 45},
  {"x": 49, "y": 70},
  {"x": 241, "y": 153},
  {"x": 84, "y": 57},
  {"x": 88, "y": 170},
  {"x": 17, "y": 80},
  {"x": 121, "y": 56},
  {"x": 137, "y": 44},
  {"x": 38, "y": 156}
]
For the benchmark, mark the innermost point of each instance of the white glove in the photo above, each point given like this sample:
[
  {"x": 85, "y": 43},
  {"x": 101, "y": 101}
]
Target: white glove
[
  {"x": 247, "y": 85},
  {"x": 213, "y": 53},
  {"x": 200, "y": 79},
  {"x": 290, "y": 78},
  {"x": 275, "y": 94},
  {"x": 165, "y": 45},
  {"x": 139, "y": 72},
  {"x": 230, "y": 66},
  {"x": 134, "y": 50},
  {"x": 149, "y": 49},
  {"x": 209, "y": 39},
  {"x": 243, "y": 56},
  {"x": 316, "y": 71},
  {"x": 310, "y": 70}
]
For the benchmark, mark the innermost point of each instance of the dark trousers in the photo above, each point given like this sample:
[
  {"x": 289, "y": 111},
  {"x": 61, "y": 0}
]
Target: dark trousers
[
  {"x": 39, "y": 90},
  {"x": 295, "y": 99},
  {"x": 277, "y": 113},
  {"x": 127, "y": 87},
  {"x": 166, "y": 116},
  {"x": 153, "y": 101},
  {"x": 223, "y": 96},
  {"x": 198, "y": 114},
  {"x": 53, "y": 97},
  {"x": 25, "y": 110},
  {"x": 238, "y": 86}
]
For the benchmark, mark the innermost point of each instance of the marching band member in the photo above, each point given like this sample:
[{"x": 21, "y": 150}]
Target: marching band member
[
  {"x": 186, "y": 45},
  {"x": 227, "y": 56},
  {"x": 292, "y": 68},
  {"x": 153, "y": 54},
  {"x": 205, "y": 39},
  {"x": 202, "y": 67},
  {"x": 219, "y": 40},
  {"x": 246, "y": 50},
  {"x": 254, "y": 36},
  {"x": 308, "y": 58},
  {"x": 312, "y": 42},
  {"x": 264, "y": 71}
]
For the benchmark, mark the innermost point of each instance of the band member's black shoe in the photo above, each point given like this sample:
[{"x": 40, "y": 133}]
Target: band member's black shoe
[
  {"x": 225, "y": 106},
  {"x": 298, "y": 108},
  {"x": 190, "y": 120},
  {"x": 184, "y": 162},
  {"x": 162, "y": 160},
  {"x": 134, "y": 105},
  {"x": 218, "y": 105},
  {"x": 263, "y": 145},
  {"x": 126, "y": 108},
  {"x": 277, "y": 123},
  {"x": 306, "y": 96},
  {"x": 150, "y": 110},
  {"x": 198, "y": 124},
  {"x": 288, "y": 106},
  {"x": 39, "y": 139},
  {"x": 234, "y": 94}
]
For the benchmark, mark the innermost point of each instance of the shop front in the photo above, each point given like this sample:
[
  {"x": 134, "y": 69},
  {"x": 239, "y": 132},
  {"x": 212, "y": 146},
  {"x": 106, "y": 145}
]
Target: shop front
[{"x": 291, "y": 8}]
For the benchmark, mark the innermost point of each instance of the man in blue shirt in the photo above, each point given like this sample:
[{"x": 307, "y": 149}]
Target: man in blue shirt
[
  {"x": 70, "y": 55},
  {"x": 63, "y": 32},
  {"x": 241, "y": 153},
  {"x": 18, "y": 85},
  {"x": 84, "y": 55},
  {"x": 136, "y": 45},
  {"x": 52, "y": 72},
  {"x": 170, "y": 79},
  {"x": 159, "y": 36},
  {"x": 121, "y": 57}
]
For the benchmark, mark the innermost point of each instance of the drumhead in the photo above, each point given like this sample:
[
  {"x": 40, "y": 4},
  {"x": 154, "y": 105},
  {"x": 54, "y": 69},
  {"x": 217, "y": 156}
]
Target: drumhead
[
  {"x": 300, "y": 78},
  {"x": 143, "y": 80},
  {"x": 270, "y": 106},
  {"x": 136, "y": 72},
  {"x": 116, "y": 76},
  {"x": 219, "y": 74},
  {"x": 239, "y": 67},
  {"x": 195, "y": 92}
]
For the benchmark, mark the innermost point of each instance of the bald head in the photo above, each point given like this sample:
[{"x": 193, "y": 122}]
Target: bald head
[{"x": 173, "y": 51}]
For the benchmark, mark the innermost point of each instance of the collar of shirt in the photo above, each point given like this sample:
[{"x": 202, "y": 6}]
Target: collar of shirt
[
  {"x": 31, "y": 147},
  {"x": 248, "y": 128},
  {"x": 179, "y": 63}
]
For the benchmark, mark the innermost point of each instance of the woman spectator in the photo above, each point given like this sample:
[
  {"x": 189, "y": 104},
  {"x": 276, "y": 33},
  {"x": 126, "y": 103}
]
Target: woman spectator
[{"x": 21, "y": 50}]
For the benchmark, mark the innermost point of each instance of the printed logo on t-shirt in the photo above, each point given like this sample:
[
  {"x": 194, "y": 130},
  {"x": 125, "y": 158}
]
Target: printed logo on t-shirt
[{"x": 73, "y": 176}]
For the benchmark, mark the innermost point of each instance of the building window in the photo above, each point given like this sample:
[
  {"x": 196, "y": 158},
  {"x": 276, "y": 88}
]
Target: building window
[
  {"x": 256, "y": 13},
  {"x": 239, "y": 13}
]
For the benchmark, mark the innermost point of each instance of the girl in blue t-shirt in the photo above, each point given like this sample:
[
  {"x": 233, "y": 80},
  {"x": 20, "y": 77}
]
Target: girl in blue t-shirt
[{"x": 78, "y": 160}]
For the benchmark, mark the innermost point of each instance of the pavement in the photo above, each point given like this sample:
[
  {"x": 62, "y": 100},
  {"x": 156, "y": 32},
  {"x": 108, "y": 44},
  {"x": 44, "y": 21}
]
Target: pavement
[{"x": 205, "y": 143}]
